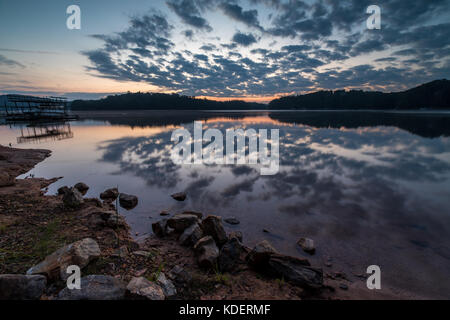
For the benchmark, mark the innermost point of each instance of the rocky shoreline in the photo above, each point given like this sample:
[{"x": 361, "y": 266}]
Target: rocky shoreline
[{"x": 189, "y": 256}]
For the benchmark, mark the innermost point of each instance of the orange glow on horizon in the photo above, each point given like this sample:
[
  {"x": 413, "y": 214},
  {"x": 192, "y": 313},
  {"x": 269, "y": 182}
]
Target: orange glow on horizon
[{"x": 260, "y": 99}]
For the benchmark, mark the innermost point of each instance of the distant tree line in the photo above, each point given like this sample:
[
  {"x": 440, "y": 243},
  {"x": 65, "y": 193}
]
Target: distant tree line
[
  {"x": 158, "y": 101},
  {"x": 432, "y": 95}
]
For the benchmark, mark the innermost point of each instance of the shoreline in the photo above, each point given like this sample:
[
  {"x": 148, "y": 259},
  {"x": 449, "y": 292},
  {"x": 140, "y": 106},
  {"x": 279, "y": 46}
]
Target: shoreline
[{"x": 34, "y": 225}]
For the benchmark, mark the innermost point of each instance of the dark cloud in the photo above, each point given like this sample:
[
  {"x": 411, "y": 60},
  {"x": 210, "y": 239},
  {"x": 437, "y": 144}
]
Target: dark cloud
[
  {"x": 244, "y": 39},
  {"x": 189, "y": 13},
  {"x": 9, "y": 62},
  {"x": 208, "y": 47},
  {"x": 188, "y": 34},
  {"x": 234, "y": 11}
]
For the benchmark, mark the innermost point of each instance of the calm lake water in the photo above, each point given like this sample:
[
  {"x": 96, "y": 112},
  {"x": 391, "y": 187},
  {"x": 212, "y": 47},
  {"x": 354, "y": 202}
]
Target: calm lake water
[{"x": 369, "y": 188}]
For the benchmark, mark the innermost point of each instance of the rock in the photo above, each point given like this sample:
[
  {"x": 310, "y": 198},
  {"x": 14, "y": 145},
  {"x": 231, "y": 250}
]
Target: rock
[
  {"x": 191, "y": 235},
  {"x": 232, "y": 220},
  {"x": 21, "y": 287},
  {"x": 6, "y": 180},
  {"x": 109, "y": 194},
  {"x": 207, "y": 252},
  {"x": 160, "y": 228},
  {"x": 180, "y": 222},
  {"x": 128, "y": 201},
  {"x": 307, "y": 245},
  {"x": 96, "y": 287},
  {"x": 166, "y": 285},
  {"x": 259, "y": 256},
  {"x": 95, "y": 221},
  {"x": 212, "y": 226},
  {"x": 73, "y": 198},
  {"x": 102, "y": 219},
  {"x": 180, "y": 196},
  {"x": 231, "y": 255},
  {"x": 114, "y": 220},
  {"x": 164, "y": 213},
  {"x": 141, "y": 288},
  {"x": 295, "y": 270},
  {"x": 140, "y": 273},
  {"x": 195, "y": 213},
  {"x": 235, "y": 234},
  {"x": 343, "y": 286},
  {"x": 79, "y": 253},
  {"x": 82, "y": 187},
  {"x": 122, "y": 252},
  {"x": 63, "y": 190},
  {"x": 131, "y": 244},
  {"x": 180, "y": 275},
  {"x": 141, "y": 253}
]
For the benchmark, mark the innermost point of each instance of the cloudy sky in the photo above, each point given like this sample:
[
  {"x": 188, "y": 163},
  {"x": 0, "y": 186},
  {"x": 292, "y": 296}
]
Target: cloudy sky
[{"x": 249, "y": 49}]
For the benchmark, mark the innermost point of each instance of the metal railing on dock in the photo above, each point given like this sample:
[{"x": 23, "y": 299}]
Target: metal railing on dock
[{"x": 21, "y": 107}]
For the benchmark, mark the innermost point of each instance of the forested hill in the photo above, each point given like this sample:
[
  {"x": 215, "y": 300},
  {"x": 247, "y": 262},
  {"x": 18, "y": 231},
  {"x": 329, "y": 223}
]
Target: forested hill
[
  {"x": 159, "y": 101},
  {"x": 432, "y": 95}
]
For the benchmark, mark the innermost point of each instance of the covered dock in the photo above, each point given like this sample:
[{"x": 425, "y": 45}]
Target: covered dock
[{"x": 16, "y": 107}]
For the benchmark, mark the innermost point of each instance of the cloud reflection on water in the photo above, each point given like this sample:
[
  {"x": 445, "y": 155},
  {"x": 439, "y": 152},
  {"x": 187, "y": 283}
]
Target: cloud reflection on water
[{"x": 375, "y": 189}]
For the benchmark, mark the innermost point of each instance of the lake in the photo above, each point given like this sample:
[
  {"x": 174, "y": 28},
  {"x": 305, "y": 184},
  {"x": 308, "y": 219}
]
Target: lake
[{"x": 371, "y": 188}]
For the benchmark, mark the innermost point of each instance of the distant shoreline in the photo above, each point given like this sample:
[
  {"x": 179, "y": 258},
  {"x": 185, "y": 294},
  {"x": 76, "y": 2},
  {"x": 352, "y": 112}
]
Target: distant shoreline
[
  {"x": 434, "y": 95},
  {"x": 427, "y": 111}
]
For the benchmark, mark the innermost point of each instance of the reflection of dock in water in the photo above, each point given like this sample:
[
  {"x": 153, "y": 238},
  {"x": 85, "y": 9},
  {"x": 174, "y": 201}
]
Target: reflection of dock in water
[{"x": 42, "y": 132}]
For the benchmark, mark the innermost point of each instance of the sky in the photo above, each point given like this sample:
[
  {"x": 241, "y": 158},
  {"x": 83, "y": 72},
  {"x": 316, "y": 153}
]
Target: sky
[{"x": 254, "y": 50}]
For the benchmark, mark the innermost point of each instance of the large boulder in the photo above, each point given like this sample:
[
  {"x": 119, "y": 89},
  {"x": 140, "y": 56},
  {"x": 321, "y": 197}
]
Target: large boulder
[
  {"x": 259, "y": 256},
  {"x": 166, "y": 285},
  {"x": 141, "y": 288},
  {"x": 191, "y": 235},
  {"x": 21, "y": 287},
  {"x": 307, "y": 245},
  {"x": 295, "y": 270},
  {"x": 128, "y": 201},
  {"x": 212, "y": 226},
  {"x": 180, "y": 222},
  {"x": 73, "y": 198},
  {"x": 79, "y": 253},
  {"x": 82, "y": 187},
  {"x": 160, "y": 228},
  {"x": 6, "y": 179},
  {"x": 96, "y": 287},
  {"x": 109, "y": 194},
  {"x": 207, "y": 252},
  {"x": 231, "y": 255},
  {"x": 180, "y": 196}
]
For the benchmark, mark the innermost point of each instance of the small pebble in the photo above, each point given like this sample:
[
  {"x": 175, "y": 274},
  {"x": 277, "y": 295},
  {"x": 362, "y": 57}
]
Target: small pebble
[
  {"x": 343, "y": 286},
  {"x": 232, "y": 220}
]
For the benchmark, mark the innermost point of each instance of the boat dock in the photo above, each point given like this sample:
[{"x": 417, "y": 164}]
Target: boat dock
[{"x": 14, "y": 107}]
